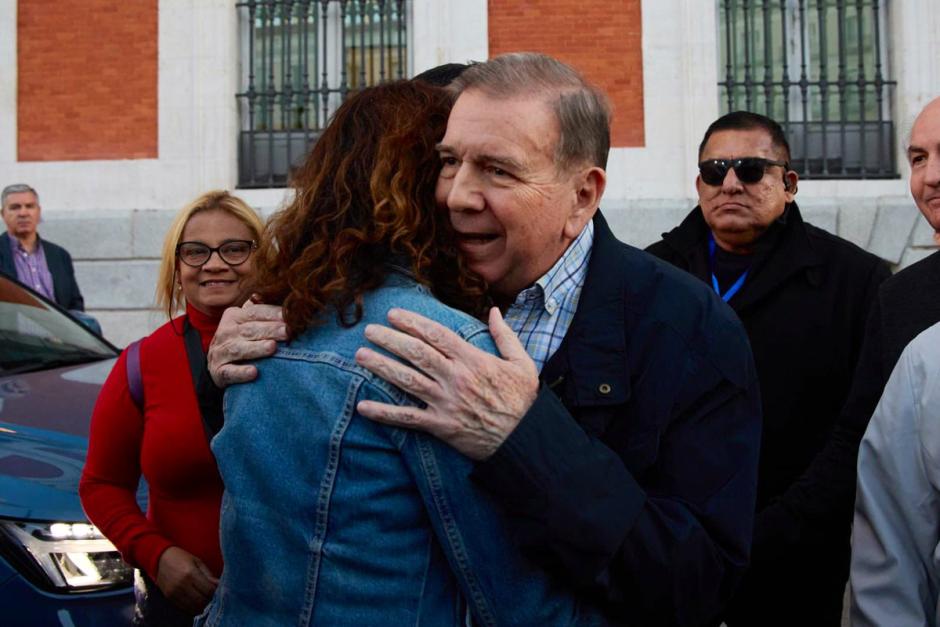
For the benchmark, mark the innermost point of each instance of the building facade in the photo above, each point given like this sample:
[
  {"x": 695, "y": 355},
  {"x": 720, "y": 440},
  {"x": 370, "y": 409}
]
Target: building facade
[{"x": 118, "y": 113}]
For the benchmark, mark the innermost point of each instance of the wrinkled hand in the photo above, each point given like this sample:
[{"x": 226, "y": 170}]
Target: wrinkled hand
[
  {"x": 247, "y": 332},
  {"x": 474, "y": 399},
  {"x": 185, "y": 580}
]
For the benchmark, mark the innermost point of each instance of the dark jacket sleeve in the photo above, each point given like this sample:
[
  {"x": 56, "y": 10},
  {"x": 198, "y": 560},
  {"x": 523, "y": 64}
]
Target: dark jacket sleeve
[
  {"x": 73, "y": 296},
  {"x": 664, "y": 548},
  {"x": 823, "y": 497},
  {"x": 6, "y": 259}
]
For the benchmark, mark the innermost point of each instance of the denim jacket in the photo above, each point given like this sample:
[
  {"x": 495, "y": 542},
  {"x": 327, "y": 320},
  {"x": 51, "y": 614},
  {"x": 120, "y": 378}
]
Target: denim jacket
[{"x": 331, "y": 519}]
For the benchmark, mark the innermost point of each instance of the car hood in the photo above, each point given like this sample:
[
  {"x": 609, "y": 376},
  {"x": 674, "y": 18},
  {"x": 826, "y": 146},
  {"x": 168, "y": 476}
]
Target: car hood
[{"x": 44, "y": 420}]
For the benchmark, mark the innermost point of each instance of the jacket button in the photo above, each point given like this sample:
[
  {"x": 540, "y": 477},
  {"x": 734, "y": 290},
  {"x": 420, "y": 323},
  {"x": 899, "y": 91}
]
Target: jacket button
[{"x": 604, "y": 388}]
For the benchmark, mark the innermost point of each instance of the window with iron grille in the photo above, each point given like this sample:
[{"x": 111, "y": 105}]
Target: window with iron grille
[
  {"x": 818, "y": 67},
  {"x": 300, "y": 59}
]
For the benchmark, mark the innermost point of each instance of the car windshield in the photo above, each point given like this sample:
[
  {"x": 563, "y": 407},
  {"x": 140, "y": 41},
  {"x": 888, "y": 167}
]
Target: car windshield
[{"x": 36, "y": 336}]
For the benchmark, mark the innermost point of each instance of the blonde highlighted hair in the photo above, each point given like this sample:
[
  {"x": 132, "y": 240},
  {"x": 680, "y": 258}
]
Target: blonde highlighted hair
[{"x": 167, "y": 296}]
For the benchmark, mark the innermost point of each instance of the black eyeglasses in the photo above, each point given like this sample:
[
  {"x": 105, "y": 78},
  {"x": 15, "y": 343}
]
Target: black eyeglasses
[
  {"x": 747, "y": 169},
  {"x": 233, "y": 252}
]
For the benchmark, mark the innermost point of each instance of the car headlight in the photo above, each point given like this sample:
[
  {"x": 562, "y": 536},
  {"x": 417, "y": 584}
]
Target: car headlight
[{"x": 70, "y": 557}]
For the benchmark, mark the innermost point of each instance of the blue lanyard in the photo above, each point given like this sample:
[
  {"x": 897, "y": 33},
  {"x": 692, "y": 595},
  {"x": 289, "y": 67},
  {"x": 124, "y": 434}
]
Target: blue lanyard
[{"x": 736, "y": 287}]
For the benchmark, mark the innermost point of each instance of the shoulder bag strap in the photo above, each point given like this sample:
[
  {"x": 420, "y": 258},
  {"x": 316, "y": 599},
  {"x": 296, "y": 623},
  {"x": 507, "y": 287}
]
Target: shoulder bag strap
[
  {"x": 210, "y": 406},
  {"x": 135, "y": 383}
]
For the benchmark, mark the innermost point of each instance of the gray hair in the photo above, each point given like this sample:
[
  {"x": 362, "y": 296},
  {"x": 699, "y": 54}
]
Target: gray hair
[
  {"x": 16, "y": 188},
  {"x": 582, "y": 110}
]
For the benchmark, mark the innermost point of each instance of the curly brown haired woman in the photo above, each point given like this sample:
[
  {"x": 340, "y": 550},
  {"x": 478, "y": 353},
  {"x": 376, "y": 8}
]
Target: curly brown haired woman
[
  {"x": 364, "y": 198},
  {"x": 330, "y": 518}
]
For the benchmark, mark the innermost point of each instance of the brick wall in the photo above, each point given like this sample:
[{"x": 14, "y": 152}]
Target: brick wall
[
  {"x": 602, "y": 38},
  {"x": 86, "y": 79}
]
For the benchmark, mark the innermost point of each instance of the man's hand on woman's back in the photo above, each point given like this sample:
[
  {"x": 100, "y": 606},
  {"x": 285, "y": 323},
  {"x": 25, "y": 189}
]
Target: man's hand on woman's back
[{"x": 247, "y": 332}]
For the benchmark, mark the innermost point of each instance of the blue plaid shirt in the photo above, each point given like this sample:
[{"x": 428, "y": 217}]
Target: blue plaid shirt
[{"x": 541, "y": 314}]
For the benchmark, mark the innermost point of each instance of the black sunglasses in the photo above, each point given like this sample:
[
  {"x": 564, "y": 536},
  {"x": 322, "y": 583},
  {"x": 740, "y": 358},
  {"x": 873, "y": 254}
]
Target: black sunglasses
[
  {"x": 747, "y": 169},
  {"x": 233, "y": 252}
]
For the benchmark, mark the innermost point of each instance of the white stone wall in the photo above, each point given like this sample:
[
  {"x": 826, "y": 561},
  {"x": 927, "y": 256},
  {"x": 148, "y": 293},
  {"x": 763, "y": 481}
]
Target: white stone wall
[
  {"x": 112, "y": 214},
  {"x": 447, "y": 31}
]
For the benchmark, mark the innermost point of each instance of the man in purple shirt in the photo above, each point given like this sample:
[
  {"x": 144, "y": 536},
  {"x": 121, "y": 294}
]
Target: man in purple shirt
[{"x": 35, "y": 262}]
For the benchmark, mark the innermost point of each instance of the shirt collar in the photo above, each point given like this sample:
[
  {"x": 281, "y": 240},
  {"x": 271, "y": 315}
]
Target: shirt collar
[
  {"x": 549, "y": 291},
  {"x": 17, "y": 245}
]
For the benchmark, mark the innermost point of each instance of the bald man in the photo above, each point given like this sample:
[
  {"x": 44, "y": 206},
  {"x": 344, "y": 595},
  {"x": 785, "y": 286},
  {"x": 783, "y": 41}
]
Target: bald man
[
  {"x": 908, "y": 302},
  {"x": 896, "y": 540}
]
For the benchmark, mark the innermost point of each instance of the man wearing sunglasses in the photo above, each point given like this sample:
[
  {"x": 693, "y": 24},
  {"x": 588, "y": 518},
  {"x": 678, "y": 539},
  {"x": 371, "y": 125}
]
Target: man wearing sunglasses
[{"x": 803, "y": 295}]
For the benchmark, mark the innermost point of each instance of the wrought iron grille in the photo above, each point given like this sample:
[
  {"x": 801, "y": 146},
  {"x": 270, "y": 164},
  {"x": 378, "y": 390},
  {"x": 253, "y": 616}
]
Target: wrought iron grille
[
  {"x": 819, "y": 67},
  {"x": 300, "y": 59}
]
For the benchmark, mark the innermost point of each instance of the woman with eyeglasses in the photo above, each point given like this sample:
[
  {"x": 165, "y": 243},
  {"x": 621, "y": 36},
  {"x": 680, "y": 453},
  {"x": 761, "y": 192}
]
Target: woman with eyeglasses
[{"x": 155, "y": 416}]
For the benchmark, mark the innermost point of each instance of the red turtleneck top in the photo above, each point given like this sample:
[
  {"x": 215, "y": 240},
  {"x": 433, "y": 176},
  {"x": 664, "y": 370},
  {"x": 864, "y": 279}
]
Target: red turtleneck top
[{"x": 167, "y": 444}]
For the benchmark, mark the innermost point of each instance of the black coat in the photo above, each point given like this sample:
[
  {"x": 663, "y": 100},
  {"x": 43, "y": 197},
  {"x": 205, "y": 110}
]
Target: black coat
[
  {"x": 804, "y": 305},
  {"x": 907, "y": 304},
  {"x": 633, "y": 475},
  {"x": 64, "y": 286}
]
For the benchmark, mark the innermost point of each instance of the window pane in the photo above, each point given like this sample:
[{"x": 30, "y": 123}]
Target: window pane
[
  {"x": 819, "y": 68},
  {"x": 300, "y": 60}
]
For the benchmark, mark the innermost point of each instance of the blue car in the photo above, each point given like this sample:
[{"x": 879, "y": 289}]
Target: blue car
[{"x": 55, "y": 567}]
